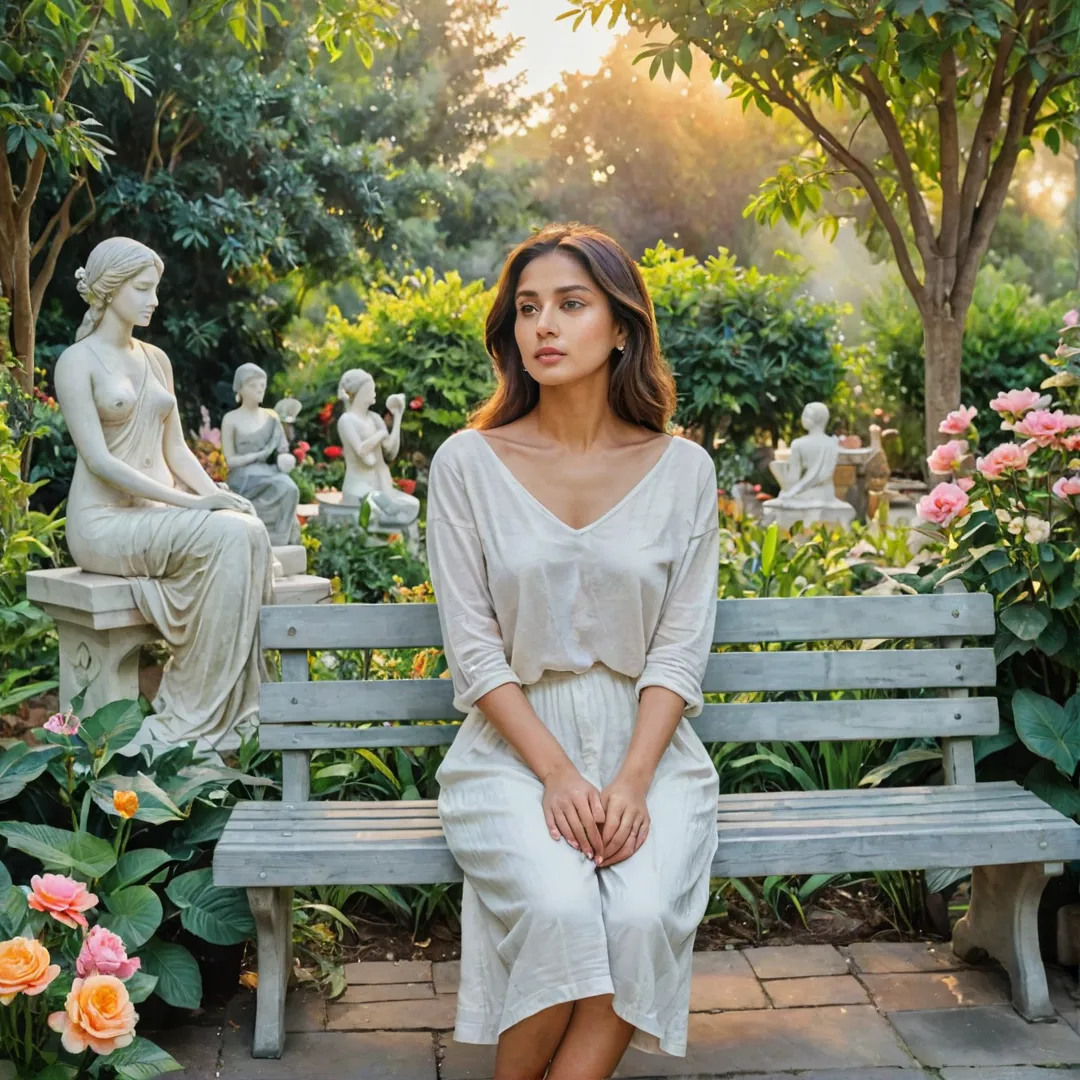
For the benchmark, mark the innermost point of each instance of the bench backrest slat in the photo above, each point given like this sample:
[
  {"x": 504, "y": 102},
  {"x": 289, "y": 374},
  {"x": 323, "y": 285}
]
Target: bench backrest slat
[
  {"x": 802, "y": 721},
  {"x": 815, "y": 618}
]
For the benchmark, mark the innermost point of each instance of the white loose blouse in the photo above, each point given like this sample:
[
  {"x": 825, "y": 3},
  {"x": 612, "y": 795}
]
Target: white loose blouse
[{"x": 520, "y": 592}]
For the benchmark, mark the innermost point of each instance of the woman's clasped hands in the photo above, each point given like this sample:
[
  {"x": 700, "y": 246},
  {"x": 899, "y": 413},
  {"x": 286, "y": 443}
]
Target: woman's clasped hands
[{"x": 606, "y": 826}]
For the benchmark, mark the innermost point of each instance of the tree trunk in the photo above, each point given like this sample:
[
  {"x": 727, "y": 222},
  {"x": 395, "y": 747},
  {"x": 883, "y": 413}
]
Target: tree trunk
[
  {"x": 22, "y": 311},
  {"x": 943, "y": 346}
]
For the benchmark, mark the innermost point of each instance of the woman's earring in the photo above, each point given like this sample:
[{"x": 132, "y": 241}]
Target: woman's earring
[{"x": 620, "y": 348}]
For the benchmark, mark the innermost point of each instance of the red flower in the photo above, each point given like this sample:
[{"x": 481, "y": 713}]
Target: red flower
[
  {"x": 326, "y": 412},
  {"x": 305, "y": 446},
  {"x": 333, "y": 452},
  {"x": 408, "y": 486},
  {"x": 416, "y": 403},
  {"x": 299, "y": 453}
]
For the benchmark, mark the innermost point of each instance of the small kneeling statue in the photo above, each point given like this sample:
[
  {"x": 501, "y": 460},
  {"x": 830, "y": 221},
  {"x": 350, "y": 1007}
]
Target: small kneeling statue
[
  {"x": 368, "y": 447},
  {"x": 250, "y": 436},
  {"x": 141, "y": 507},
  {"x": 807, "y": 491}
]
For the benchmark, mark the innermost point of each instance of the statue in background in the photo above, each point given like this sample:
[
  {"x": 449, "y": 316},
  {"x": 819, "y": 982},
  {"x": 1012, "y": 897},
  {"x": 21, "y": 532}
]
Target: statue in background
[
  {"x": 807, "y": 491},
  {"x": 288, "y": 409},
  {"x": 250, "y": 437},
  {"x": 197, "y": 558},
  {"x": 368, "y": 448}
]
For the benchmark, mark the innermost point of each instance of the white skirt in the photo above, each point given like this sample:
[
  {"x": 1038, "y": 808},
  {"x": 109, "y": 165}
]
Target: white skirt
[{"x": 541, "y": 925}]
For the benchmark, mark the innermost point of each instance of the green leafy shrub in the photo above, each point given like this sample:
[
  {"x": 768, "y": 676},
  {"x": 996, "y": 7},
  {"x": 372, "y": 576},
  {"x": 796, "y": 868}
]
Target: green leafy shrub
[
  {"x": 1007, "y": 328},
  {"x": 137, "y": 832},
  {"x": 748, "y": 349},
  {"x": 422, "y": 336}
]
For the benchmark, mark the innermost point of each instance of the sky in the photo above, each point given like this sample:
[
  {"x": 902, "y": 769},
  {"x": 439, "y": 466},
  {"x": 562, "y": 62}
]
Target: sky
[{"x": 551, "y": 47}]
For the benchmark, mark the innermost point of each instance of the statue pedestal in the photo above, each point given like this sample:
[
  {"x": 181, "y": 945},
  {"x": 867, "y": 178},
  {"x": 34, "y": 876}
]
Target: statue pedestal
[
  {"x": 101, "y": 630},
  {"x": 332, "y": 510},
  {"x": 293, "y": 559},
  {"x": 788, "y": 516}
]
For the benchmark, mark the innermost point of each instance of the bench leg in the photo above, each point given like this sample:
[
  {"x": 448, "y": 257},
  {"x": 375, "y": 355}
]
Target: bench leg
[
  {"x": 1002, "y": 921},
  {"x": 272, "y": 909}
]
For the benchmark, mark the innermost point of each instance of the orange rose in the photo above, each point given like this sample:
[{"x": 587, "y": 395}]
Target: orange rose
[
  {"x": 24, "y": 968},
  {"x": 97, "y": 1014},
  {"x": 126, "y": 803}
]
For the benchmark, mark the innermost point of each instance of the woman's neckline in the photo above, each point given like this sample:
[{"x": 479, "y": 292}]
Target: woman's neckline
[{"x": 650, "y": 472}]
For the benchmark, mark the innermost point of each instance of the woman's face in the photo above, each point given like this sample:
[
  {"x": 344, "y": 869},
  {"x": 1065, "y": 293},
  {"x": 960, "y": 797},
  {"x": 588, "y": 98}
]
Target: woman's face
[
  {"x": 252, "y": 390},
  {"x": 565, "y": 328},
  {"x": 365, "y": 394},
  {"x": 136, "y": 300}
]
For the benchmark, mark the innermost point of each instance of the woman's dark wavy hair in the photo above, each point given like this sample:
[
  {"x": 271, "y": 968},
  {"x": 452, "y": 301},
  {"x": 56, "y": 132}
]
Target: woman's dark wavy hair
[{"x": 642, "y": 389}]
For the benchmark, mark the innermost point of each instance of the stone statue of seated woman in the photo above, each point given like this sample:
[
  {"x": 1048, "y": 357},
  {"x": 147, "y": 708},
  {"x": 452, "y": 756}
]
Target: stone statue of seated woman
[
  {"x": 368, "y": 448},
  {"x": 256, "y": 451},
  {"x": 807, "y": 492},
  {"x": 198, "y": 560}
]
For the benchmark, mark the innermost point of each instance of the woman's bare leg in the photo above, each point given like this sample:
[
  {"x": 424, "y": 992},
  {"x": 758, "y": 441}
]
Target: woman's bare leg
[
  {"x": 594, "y": 1043},
  {"x": 526, "y": 1048}
]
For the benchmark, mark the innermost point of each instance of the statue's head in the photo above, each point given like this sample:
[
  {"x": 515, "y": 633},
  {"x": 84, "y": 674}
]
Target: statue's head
[
  {"x": 249, "y": 384},
  {"x": 356, "y": 386},
  {"x": 121, "y": 276},
  {"x": 815, "y": 416}
]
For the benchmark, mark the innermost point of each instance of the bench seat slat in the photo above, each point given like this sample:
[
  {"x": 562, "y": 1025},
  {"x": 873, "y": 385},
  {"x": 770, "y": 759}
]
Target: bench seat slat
[
  {"x": 802, "y": 721},
  {"x": 877, "y": 829},
  {"x": 817, "y": 618}
]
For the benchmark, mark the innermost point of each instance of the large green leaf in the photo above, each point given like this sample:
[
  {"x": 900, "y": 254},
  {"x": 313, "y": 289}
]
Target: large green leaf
[
  {"x": 1047, "y": 729},
  {"x": 112, "y": 727},
  {"x": 134, "y": 913},
  {"x": 133, "y": 866},
  {"x": 155, "y": 806},
  {"x": 1046, "y": 782},
  {"x": 914, "y": 756},
  {"x": 193, "y": 780},
  {"x": 141, "y": 1060},
  {"x": 219, "y": 915},
  {"x": 61, "y": 849},
  {"x": 1026, "y": 621},
  {"x": 140, "y": 986},
  {"x": 20, "y": 764},
  {"x": 14, "y": 913},
  {"x": 179, "y": 980}
]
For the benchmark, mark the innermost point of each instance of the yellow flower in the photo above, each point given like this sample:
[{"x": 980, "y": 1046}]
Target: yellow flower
[{"x": 126, "y": 803}]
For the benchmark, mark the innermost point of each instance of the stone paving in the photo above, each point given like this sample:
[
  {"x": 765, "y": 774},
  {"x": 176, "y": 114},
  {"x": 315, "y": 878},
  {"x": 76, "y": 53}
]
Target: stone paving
[{"x": 864, "y": 1012}]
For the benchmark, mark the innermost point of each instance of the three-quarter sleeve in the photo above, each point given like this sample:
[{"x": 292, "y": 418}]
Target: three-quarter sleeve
[
  {"x": 472, "y": 639},
  {"x": 680, "y": 646}
]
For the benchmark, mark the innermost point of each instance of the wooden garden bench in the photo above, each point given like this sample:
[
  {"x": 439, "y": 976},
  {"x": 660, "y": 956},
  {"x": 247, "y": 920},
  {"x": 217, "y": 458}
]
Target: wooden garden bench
[{"x": 1014, "y": 841}]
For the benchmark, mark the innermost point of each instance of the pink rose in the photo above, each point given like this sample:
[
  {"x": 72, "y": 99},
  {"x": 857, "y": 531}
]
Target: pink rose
[
  {"x": 944, "y": 504},
  {"x": 1014, "y": 403},
  {"x": 948, "y": 456},
  {"x": 965, "y": 483},
  {"x": 64, "y": 898},
  {"x": 957, "y": 423},
  {"x": 1043, "y": 427},
  {"x": 1071, "y": 443},
  {"x": 1072, "y": 318},
  {"x": 62, "y": 723},
  {"x": 1007, "y": 456},
  {"x": 103, "y": 953},
  {"x": 1067, "y": 487}
]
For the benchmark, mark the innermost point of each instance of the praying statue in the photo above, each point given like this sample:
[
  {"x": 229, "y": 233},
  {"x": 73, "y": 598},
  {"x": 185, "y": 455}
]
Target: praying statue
[
  {"x": 368, "y": 448},
  {"x": 256, "y": 450},
  {"x": 807, "y": 490},
  {"x": 196, "y": 556}
]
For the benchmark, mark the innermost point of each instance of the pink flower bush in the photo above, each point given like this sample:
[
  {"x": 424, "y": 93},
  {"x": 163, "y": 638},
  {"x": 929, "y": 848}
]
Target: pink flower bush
[
  {"x": 958, "y": 423},
  {"x": 948, "y": 456},
  {"x": 944, "y": 504},
  {"x": 64, "y": 898},
  {"x": 1043, "y": 427},
  {"x": 1072, "y": 318},
  {"x": 103, "y": 953},
  {"x": 1014, "y": 403},
  {"x": 1006, "y": 457},
  {"x": 62, "y": 723},
  {"x": 965, "y": 483},
  {"x": 1067, "y": 487}
]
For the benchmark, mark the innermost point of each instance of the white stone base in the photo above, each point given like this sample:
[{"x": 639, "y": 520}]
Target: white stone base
[
  {"x": 293, "y": 559},
  {"x": 788, "y": 516},
  {"x": 101, "y": 630}
]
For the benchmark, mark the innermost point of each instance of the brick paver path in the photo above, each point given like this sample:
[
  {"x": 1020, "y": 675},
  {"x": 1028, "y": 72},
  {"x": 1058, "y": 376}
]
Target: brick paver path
[{"x": 866, "y": 1012}]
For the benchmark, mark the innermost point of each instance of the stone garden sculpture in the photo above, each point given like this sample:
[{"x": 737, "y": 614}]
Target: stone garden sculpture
[
  {"x": 807, "y": 492},
  {"x": 197, "y": 557},
  {"x": 368, "y": 448},
  {"x": 256, "y": 451}
]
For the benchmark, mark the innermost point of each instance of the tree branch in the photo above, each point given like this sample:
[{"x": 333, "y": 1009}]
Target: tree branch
[
  {"x": 64, "y": 211},
  {"x": 64, "y": 231},
  {"x": 878, "y": 100},
  {"x": 949, "y": 135},
  {"x": 1039, "y": 98}
]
